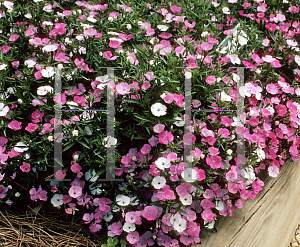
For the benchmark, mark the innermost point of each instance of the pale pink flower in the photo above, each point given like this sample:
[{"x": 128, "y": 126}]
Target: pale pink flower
[
  {"x": 158, "y": 128},
  {"x": 14, "y": 37},
  {"x": 206, "y": 46},
  {"x": 207, "y": 215},
  {"x": 123, "y": 88},
  {"x": 75, "y": 191},
  {"x": 133, "y": 237}
]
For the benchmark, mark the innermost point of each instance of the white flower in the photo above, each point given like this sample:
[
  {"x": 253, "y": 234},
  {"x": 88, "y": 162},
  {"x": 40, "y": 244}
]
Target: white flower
[
  {"x": 3, "y": 109},
  {"x": 90, "y": 176},
  {"x": 50, "y": 138},
  {"x": 95, "y": 190},
  {"x": 273, "y": 171},
  {"x": 188, "y": 75},
  {"x": 20, "y": 101},
  {"x": 134, "y": 201},
  {"x": 123, "y": 200},
  {"x": 297, "y": 59},
  {"x": 91, "y": 19},
  {"x": 158, "y": 182},
  {"x": 109, "y": 141},
  {"x": 128, "y": 26},
  {"x": 108, "y": 217},
  {"x": 187, "y": 200},
  {"x": 48, "y": 8},
  {"x": 57, "y": 200},
  {"x": 234, "y": 59},
  {"x": 163, "y": 163},
  {"x": 180, "y": 122},
  {"x": 225, "y": 97},
  {"x": 72, "y": 104},
  {"x": 28, "y": 16},
  {"x": 43, "y": 90},
  {"x": 219, "y": 205},
  {"x": 3, "y": 66},
  {"x": 158, "y": 109},
  {"x": 209, "y": 225},
  {"x": 229, "y": 151},
  {"x": 189, "y": 175},
  {"x": 242, "y": 38},
  {"x": 75, "y": 132},
  {"x": 49, "y": 48},
  {"x": 129, "y": 227},
  {"x": 48, "y": 72},
  {"x": 162, "y": 28},
  {"x": 115, "y": 208},
  {"x": 261, "y": 154},
  {"x": 226, "y": 10},
  {"x": 47, "y": 23},
  {"x": 20, "y": 147},
  {"x": 178, "y": 222},
  {"x": 30, "y": 63}
]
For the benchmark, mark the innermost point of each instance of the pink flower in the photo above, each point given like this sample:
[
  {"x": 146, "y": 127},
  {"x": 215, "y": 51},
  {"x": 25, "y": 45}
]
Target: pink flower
[
  {"x": 150, "y": 213},
  {"x": 175, "y": 9},
  {"x": 75, "y": 191},
  {"x": 43, "y": 195},
  {"x": 165, "y": 35},
  {"x": 117, "y": 228},
  {"x": 206, "y": 46},
  {"x": 36, "y": 116},
  {"x": 60, "y": 174},
  {"x": 133, "y": 237},
  {"x": 123, "y": 88},
  {"x": 3, "y": 191},
  {"x": 165, "y": 137},
  {"x": 193, "y": 229},
  {"x": 88, "y": 217},
  {"x": 95, "y": 227},
  {"x": 281, "y": 110},
  {"x": 207, "y": 215},
  {"x": 211, "y": 80},
  {"x": 228, "y": 32},
  {"x": 15, "y": 64},
  {"x": 15, "y": 125},
  {"x": 214, "y": 162},
  {"x": 13, "y": 37},
  {"x": 158, "y": 128},
  {"x": 257, "y": 59},
  {"x": 294, "y": 150},
  {"x": 191, "y": 25},
  {"x": 146, "y": 149},
  {"x": 108, "y": 55},
  {"x": 25, "y": 167},
  {"x": 189, "y": 139},
  {"x": 131, "y": 217},
  {"x": 76, "y": 168},
  {"x": 150, "y": 32},
  {"x": 90, "y": 32},
  {"x": 239, "y": 203},
  {"x": 31, "y": 127},
  {"x": 272, "y": 89},
  {"x": 114, "y": 44}
]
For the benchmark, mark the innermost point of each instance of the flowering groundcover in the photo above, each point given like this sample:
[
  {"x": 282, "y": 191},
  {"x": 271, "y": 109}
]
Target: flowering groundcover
[{"x": 165, "y": 199}]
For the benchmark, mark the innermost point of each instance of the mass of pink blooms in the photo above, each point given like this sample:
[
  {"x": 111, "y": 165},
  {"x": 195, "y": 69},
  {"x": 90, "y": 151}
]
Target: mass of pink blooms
[{"x": 165, "y": 197}]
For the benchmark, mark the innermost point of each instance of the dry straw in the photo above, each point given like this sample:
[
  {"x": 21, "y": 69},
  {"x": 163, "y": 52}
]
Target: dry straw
[{"x": 36, "y": 230}]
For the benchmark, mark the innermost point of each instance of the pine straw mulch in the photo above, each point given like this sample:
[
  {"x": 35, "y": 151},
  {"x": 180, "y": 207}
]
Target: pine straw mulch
[{"x": 36, "y": 230}]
